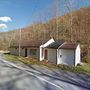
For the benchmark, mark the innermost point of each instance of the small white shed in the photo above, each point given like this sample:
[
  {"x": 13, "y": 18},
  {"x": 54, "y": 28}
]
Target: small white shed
[
  {"x": 48, "y": 51},
  {"x": 60, "y": 52},
  {"x": 69, "y": 54}
]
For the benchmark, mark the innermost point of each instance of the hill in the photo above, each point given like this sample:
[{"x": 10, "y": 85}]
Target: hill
[{"x": 71, "y": 27}]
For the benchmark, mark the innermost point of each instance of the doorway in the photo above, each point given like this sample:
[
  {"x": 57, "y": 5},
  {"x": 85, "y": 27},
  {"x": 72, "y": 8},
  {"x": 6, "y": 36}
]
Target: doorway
[
  {"x": 46, "y": 54},
  {"x": 25, "y": 52}
]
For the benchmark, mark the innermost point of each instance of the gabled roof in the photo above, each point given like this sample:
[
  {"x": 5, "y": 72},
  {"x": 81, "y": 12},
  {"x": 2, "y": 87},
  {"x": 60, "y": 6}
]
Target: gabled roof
[
  {"x": 68, "y": 46},
  {"x": 55, "y": 44}
]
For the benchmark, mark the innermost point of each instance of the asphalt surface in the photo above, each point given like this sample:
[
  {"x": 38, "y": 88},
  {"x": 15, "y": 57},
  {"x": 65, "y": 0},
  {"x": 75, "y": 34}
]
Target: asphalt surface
[{"x": 18, "y": 77}]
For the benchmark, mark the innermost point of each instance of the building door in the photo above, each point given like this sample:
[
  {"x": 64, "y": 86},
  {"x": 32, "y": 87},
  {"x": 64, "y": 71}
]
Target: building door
[
  {"x": 66, "y": 57},
  {"x": 46, "y": 53},
  {"x": 25, "y": 52}
]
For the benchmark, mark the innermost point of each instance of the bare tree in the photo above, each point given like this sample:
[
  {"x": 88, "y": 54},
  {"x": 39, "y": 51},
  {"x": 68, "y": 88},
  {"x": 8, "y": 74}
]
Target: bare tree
[{"x": 71, "y": 6}]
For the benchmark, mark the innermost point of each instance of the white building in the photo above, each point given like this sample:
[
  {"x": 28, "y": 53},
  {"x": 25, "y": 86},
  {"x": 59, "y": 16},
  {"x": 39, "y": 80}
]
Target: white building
[
  {"x": 54, "y": 51},
  {"x": 27, "y": 49},
  {"x": 60, "y": 52},
  {"x": 69, "y": 54}
]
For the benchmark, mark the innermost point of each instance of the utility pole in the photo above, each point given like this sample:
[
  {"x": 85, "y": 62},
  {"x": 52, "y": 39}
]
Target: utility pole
[{"x": 20, "y": 42}]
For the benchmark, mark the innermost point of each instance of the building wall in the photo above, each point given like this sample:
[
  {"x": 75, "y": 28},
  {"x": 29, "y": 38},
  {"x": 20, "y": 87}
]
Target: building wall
[
  {"x": 77, "y": 55},
  {"x": 23, "y": 52},
  {"x": 66, "y": 57},
  {"x": 15, "y": 51},
  {"x": 42, "y": 48},
  {"x": 41, "y": 53},
  {"x": 88, "y": 60},
  {"x": 33, "y": 56},
  {"x": 52, "y": 55}
]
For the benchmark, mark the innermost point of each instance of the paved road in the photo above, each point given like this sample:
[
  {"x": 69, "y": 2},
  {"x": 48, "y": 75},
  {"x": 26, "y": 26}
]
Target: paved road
[{"x": 13, "y": 77}]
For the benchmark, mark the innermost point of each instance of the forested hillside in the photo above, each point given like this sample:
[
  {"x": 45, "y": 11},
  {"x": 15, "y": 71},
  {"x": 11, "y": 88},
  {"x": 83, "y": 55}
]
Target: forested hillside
[{"x": 71, "y": 27}]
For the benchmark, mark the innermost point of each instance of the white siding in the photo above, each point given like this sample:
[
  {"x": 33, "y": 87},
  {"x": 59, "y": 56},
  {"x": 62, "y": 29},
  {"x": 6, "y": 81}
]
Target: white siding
[
  {"x": 42, "y": 47},
  {"x": 77, "y": 55},
  {"x": 48, "y": 42},
  {"x": 66, "y": 57},
  {"x": 41, "y": 53},
  {"x": 52, "y": 54}
]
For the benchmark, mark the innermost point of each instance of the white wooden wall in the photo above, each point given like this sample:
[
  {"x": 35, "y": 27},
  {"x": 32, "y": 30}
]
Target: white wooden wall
[
  {"x": 52, "y": 55},
  {"x": 66, "y": 57},
  {"x": 77, "y": 55}
]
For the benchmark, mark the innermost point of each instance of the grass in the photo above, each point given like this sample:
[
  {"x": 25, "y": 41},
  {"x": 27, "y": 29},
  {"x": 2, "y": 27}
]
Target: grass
[
  {"x": 30, "y": 61},
  {"x": 85, "y": 69}
]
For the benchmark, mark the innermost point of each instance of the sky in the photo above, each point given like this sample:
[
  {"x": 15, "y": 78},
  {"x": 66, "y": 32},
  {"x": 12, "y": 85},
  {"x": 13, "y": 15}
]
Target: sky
[{"x": 16, "y": 14}]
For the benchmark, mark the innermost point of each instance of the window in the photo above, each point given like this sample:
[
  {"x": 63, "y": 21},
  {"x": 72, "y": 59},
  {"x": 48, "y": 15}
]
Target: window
[{"x": 33, "y": 51}]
